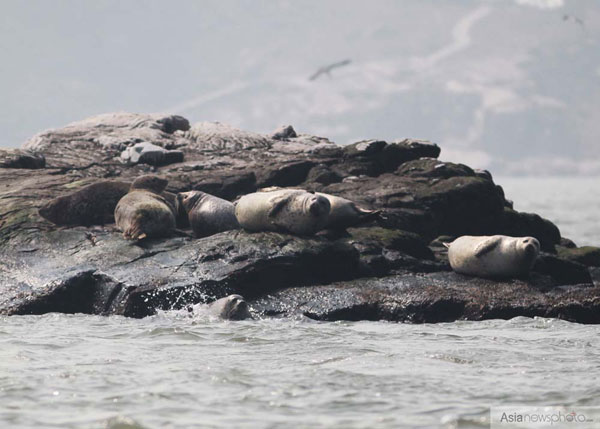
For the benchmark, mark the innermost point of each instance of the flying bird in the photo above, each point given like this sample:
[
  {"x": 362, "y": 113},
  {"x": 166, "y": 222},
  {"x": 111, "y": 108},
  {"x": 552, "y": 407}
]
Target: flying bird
[
  {"x": 327, "y": 69},
  {"x": 574, "y": 18}
]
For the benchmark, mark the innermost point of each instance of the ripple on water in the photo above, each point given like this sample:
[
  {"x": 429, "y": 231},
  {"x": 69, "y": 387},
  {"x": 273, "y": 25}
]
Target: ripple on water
[{"x": 173, "y": 370}]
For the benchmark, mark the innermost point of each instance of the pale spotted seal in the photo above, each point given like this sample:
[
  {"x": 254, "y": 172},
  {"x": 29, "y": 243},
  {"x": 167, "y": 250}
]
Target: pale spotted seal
[
  {"x": 497, "y": 256},
  {"x": 294, "y": 211},
  {"x": 232, "y": 307},
  {"x": 91, "y": 205},
  {"x": 208, "y": 214},
  {"x": 343, "y": 213},
  {"x": 144, "y": 212}
]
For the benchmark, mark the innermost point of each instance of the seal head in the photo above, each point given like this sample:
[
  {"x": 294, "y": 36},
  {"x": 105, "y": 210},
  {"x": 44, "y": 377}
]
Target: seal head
[
  {"x": 232, "y": 307},
  {"x": 150, "y": 183}
]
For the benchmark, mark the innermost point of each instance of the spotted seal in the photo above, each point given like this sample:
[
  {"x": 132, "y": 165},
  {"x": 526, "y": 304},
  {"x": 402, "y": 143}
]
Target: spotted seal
[
  {"x": 286, "y": 210},
  {"x": 497, "y": 256},
  {"x": 232, "y": 307},
  {"x": 208, "y": 214},
  {"x": 143, "y": 212}
]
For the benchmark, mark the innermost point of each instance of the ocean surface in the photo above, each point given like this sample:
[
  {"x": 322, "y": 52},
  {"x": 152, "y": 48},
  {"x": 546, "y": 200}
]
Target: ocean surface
[{"x": 180, "y": 370}]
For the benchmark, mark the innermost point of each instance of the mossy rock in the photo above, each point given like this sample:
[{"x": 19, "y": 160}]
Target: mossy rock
[
  {"x": 586, "y": 255},
  {"x": 393, "y": 239}
]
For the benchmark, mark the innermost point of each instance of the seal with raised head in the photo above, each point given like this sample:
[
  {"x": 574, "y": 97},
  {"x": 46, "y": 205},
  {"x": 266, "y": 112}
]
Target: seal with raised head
[
  {"x": 232, "y": 307},
  {"x": 144, "y": 212},
  {"x": 286, "y": 210},
  {"x": 345, "y": 213},
  {"x": 208, "y": 214},
  {"x": 496, "y": 256},
  {"x": 91, "y": 205}
]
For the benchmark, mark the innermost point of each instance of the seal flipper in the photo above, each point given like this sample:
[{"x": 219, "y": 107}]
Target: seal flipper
[
  {"x": 278, "y": 202},
  {"x": 487, "y": 246},
  {"x": 365, "y": 215}
]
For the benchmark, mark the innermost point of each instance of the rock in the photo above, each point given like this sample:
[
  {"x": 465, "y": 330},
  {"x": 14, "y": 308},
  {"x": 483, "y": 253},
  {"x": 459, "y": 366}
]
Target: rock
[
  {"x": 148, "y": 153},
  {"x": 284, "y": 132},
  {"x": 383, "y": 269},
  {"x": 563, "y": 272},
  {"x": 433, "y": 298},
  {"x": 15, "y": 158},
  {"x": 137, "y": 280},
  {"x": 586, "y": 255}
]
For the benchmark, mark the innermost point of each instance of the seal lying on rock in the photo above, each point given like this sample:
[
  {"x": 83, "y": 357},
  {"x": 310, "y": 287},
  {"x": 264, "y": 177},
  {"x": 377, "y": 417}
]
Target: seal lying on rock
[
  {"x": 497, "y": 256},
  {"x": 345, "y": 213},
  {"x": 232, "y": 307},
  {"x": 91, "y": 205},
  {"x": 144, "y": 212},
  {"x": 208, "y": 214},
  {"x": 286, "y": 210}
]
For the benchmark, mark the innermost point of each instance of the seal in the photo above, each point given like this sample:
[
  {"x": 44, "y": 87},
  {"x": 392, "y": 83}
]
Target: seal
[
  {"x": 91, "y": 205},
  {"x": 232, "y": 307},
  {"x": 345, "y": 213},
  {"x": 496, "y": 256},
  {"x": 208, "y": 214},
  {"x": 144, "y": 212},
  {"x": 286, "y": 210}
]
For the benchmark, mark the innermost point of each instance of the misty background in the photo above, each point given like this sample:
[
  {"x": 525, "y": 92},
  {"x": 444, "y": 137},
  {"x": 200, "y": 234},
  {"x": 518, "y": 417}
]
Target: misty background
[{"x": 508, "y": 85}]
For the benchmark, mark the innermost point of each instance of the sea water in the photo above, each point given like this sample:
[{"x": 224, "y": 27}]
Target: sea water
[{"x": 181, "y": 370}]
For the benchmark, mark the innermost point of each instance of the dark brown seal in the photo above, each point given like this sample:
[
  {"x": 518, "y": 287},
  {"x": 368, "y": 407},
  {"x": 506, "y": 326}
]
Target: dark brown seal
[
  {"x": 91, "y": 205},
  {"x": 144, "y": 212},
  {"x": 208, "y": 214}
]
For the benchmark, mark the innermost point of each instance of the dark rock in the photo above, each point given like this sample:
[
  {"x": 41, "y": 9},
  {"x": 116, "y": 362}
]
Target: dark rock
[
  {"x": 393, "y": 239},
  {"x": 564, "y": 272},
  {"x": 432, "y": 298},
  {"x": 290, "y": 174},
  {"x": 284, "y": 132},
  {"x": 586, "y": 255},
  {"x": 323, "y": 175},
  {"x": 15, "y": 158},
  {"x": 567, "y": 242}
]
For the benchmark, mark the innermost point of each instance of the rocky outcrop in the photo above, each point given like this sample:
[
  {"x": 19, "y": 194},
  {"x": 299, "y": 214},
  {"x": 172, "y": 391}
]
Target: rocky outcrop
[{"x": 393, "y": 267}]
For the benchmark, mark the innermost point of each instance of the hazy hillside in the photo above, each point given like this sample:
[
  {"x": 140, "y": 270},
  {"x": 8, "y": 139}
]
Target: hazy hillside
[{"x": 507, "y": 85}]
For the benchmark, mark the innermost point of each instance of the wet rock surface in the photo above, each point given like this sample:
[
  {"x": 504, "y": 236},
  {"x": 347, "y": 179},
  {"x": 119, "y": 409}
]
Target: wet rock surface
[{"x": 391, "y": 268}]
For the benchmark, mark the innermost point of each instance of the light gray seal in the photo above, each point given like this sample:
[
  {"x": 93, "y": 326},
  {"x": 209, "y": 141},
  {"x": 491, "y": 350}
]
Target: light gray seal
[
  {"x": 286, "y": 210},
  {"x": 497, "y": 256},
  {"x": 144, "y": 212},
  {"x": 208, "y": 214},
  {"x": 345, "y": 213},
  {"x": 232, "y": 307},
  {"x": 91, "y": 205}
]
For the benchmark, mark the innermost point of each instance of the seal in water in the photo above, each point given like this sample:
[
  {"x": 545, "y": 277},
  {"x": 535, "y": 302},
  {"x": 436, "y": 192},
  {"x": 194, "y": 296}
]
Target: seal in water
[
  {"x": 497, "y": 256},
  {"x": 232, "y": 307},
  {"x": 286, "y": 210},
  {"x": 144, "y": 212},
  {"x": 91, "y": 205},
  {"x": 345, "y": 213},
  {"x": 208, "y": 214}
]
